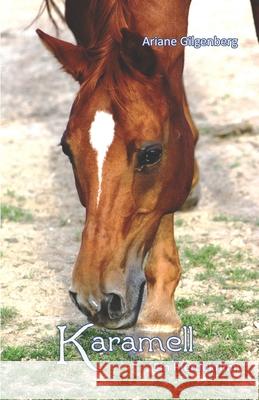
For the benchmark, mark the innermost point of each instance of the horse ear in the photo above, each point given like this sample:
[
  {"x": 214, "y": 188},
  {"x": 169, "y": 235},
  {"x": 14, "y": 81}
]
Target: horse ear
[
  {"x": 72, "y": 57},
  {"x": 134, "y": 54}
]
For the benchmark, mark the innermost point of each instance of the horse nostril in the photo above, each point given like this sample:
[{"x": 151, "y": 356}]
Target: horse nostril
[
  {"x": 115, "y": 306},
  {"x": 73, "y": 297}
]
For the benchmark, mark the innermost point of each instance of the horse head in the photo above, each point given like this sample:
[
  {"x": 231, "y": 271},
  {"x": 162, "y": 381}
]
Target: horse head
[{"x": 131, "y": 150}]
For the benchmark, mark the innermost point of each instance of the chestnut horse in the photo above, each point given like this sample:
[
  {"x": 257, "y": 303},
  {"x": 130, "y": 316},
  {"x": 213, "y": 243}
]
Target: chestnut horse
[{"x": 130, "y": 139}]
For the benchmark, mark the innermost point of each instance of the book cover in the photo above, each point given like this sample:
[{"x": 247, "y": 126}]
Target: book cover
[{"x": 129, "y": 204}]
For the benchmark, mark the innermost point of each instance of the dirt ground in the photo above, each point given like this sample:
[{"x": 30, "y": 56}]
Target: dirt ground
[{"x": 38, "y": 255}]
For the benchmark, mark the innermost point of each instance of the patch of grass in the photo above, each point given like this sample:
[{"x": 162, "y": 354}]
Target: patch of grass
[
  {"x": 235, "y": 165},
  {"x": 232, "y": 218},
  {"x": 205, "y": 276},
  {"x": 221, "y": 350},
  {"x": 202, "y": 276},
  {"x": 243, "y": 306},
  {"x": 24, "y": 325},
  {"x": 225, "y": 96},
  {"x": 238, "y": 286},
  {"x": 225, "y": 329},
  {"x": 11, "y": 194},
  {"x": 230, "y": 350},
  {"x": 215, "y": 266},
  {"x": 197, "y": 321},
  {"x": 208, "y": 329},
  {"x": 230, "y": 345},
  {"x": 64, "y": 222},
  {"x": 78, "y": 235},
  {"x": 183, "y": 303},
  {"x": 14, "y": 353},
  {"x": 179, "y": 222},
  {"x": 7, "y": 315},
  {"x": 241, "y": 274},
  {"x": 224, "y": 351},
  {"x": 221, "y": 218},
  {"x": 44, "y": 350},
  {"x": 15, "y": 214},
  {"x": 49, "y": 349},
  {"x": 237, "y": 257},
  {"x": 219, "y": 302},
  {"x": 205, "y": 130},
  {"x": 203, "y": 256},
  {"x": 86, "y": 339},
  {"x": 182, "y": 240},
  {"x": 29, "y": 275}
]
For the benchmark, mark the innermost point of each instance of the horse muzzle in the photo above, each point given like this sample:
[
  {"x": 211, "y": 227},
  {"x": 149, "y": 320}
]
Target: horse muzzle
[{"x": 112, "y": 311}]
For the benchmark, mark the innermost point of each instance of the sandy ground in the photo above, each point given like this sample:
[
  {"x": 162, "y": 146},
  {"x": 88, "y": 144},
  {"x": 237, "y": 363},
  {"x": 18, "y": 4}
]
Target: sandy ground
[{"x": 37, "y": 257}]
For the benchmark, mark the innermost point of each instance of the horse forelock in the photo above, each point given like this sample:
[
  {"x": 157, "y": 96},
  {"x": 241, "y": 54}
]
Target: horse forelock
[{"x": 104, "y": 21}]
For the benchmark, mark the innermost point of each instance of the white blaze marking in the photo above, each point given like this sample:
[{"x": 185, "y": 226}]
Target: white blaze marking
[{"x": 101, "y": 137}]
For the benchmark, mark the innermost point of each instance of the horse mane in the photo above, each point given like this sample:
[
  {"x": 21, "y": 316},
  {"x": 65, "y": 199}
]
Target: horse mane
[
  {"x": 104, "y": 21},
  {"x": 101, "y": 36}
]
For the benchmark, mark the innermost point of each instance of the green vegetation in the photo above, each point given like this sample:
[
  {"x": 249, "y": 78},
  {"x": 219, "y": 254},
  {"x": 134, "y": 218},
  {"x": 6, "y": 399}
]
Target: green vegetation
[
  {"x": 203, "y": 257},
  {"x": 208, "y": 329},
  {"x": 64, "y": 221},
  {"x": 12, "y": 195},
  {"x": 229, "y": 343},
  {"x": 205, "y": 276},
  {"x": 48, "y": 349},
  {"x": 227, "y": 350},
  {"x": 243, "y": 306},
  {"x": 234, "y": 218},
  {"x": 235, "y": 165},
  {"x": 220, "y": 265},
  {"x": 15, "y": 214},
  {"x": 241, "y": 274},
  {"x": 78, "y": 235},
  {"x": 205, "y": 130},
  {"x": 7, "y": 315},
  {"x": 24, "y": 325},
  {"x": 224, "y": 351},
  {"x": 222, "y": 218},
  {"x": 183, "y": 303},
  {"x": 12, "y": 210},
  {"x": 219, "y": 302},
  {"x": 179, "y": 222},
  {"x": 14, "y": 353},
  {"x": 215, "y": 337}
]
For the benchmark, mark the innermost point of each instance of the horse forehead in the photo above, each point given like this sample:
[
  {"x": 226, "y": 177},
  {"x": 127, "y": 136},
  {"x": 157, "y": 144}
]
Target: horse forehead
[
  {"x": 101, "y": 136},
  {"x": 102, "y": 132}
]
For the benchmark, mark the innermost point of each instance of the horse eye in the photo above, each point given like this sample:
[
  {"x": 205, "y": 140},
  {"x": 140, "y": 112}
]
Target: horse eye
[{"x": 149, "y": 156}]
